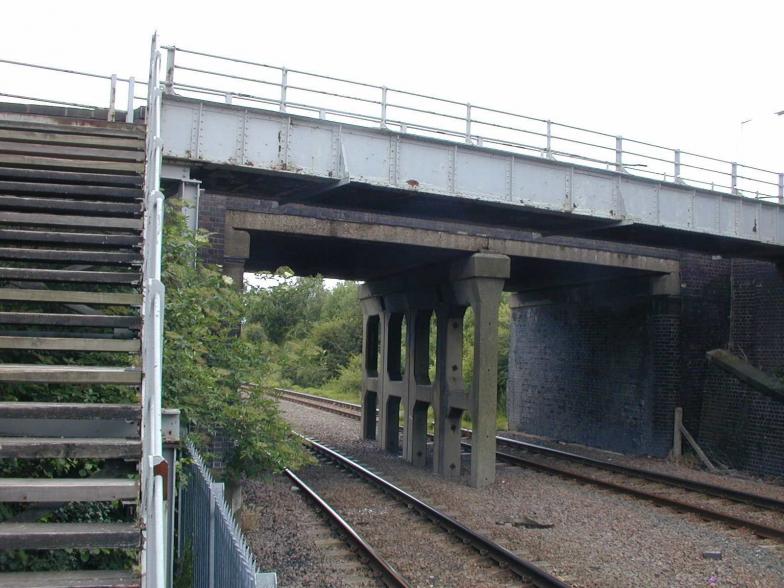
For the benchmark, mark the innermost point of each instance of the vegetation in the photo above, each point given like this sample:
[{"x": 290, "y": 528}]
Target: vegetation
[
  {"x": 214, "y": 371},
  {"x": 312, "y": 338}
]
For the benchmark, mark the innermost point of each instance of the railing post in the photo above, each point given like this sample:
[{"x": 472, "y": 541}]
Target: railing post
[
  {"x": 112, "y": 96},
  {"x": 384, "y": 107},
  {"x": 211, "y": 551},
  {"x": 734, "y": 178},
  {"x": 677, "y": 173},
  {"x": 619, "y": 154},
  {"x": 468, "y": 123},
  {"x": 549, "y": 150},
  {"x": 169, "y": 84},
  {"x": 284, "y": 81},
  {"x": 131, "y": 92},
  {"x": 781, "y": 188}
]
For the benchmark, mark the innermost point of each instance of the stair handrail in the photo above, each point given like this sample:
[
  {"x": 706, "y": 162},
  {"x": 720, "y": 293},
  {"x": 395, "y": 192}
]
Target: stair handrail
[{"x": 153, "y": 466}]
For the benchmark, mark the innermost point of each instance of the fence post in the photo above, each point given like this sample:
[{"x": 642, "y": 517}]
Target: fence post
[
  {"x": 284, "y": 81},
  {"x": 112, "y": 96},
  {"x": 468, "y": 123},
  {"x": 781, "y": 188},
  {"x": 677, "y": 440},
  {"x": 131, "y": 92}
]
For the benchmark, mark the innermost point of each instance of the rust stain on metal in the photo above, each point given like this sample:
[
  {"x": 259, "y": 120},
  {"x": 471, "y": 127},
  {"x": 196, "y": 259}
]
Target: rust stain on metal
[{"x": 413, "y": 184}]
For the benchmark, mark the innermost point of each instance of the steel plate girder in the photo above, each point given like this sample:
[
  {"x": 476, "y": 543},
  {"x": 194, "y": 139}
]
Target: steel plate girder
[{"x": 279, "y": 142}]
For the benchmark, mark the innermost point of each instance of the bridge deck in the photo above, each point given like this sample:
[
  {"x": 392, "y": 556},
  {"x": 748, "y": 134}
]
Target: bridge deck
[{"x": 287, "y": 157}]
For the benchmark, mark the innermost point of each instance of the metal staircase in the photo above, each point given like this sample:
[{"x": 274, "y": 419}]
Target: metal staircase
[{"x": 80, "y": 337}]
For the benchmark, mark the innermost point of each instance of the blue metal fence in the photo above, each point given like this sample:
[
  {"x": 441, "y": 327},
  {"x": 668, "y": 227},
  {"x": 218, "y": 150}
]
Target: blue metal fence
[{"x": 219, "y": 554}]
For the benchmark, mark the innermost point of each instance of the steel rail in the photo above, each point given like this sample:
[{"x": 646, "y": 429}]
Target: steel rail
[
  {"x": 705, "y": 512},
  {"x": 701, "y": 487},
  {"x": 392, "y": 577},
  {"x": 524, "y": 569},
  {"x": 706, "y": 488}
]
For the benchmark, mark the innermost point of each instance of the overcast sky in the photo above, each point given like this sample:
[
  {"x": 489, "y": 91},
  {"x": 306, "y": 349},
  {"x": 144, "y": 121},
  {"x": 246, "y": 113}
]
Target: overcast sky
[{"x": 682, "y": 74}]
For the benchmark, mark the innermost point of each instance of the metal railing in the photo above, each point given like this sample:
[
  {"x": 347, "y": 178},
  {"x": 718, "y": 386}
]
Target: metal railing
[
  {"x": 260, "y": 85},
  {"x": 153, "y": 467},
  {"x": 57, "y": 89},
  {"x": 219, "y": 553}
]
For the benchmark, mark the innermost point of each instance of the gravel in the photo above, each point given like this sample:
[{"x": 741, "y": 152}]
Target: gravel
[
  {"x": 288, "y": 537},
  {"x": 596, "y": 538}
]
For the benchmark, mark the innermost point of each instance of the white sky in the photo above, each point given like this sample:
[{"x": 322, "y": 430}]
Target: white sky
[{"x": 682, "y": 74}]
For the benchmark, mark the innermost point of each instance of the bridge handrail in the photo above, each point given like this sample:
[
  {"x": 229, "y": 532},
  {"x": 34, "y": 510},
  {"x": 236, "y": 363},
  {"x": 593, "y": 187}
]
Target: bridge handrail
[
  {"x": 131, "y": 83},
  {"x": 663, "y": 163}
]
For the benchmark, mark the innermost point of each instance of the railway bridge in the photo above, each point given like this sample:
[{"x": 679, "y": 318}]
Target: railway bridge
[{"x": 439, "y": 206}]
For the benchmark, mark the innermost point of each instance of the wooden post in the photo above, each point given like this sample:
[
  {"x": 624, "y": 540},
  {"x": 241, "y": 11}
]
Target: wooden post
[{"x": 677, "y": 439}]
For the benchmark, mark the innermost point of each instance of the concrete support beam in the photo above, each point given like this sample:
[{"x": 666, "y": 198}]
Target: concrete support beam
[{"x": 372, "y": 362}]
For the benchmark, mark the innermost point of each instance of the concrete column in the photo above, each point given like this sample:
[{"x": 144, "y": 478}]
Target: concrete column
[
  {"x": 478, "y": 282},
  {"x": 372, "y": 359},
  {"x": 236, "y": 251},
  {"x": 419, "y": 393},
  {"x": 189, "y": 192},
  {"x": 449, "y": 391},
  {"x": 394, "y": 386}
]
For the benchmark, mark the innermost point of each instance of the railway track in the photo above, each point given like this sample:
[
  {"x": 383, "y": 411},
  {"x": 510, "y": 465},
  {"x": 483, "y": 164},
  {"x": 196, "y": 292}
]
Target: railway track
[
  {"x": 734, "y": 508},
  {"x": 421, "y": 522}
]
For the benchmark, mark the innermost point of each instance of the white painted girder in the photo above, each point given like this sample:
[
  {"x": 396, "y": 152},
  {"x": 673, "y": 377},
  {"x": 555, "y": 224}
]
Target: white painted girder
[{"x": 275, "y": 141}]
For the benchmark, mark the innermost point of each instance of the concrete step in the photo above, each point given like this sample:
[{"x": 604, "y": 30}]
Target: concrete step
[
  {"x": 73, "y": 447},
  {"x": 71, "y": 320},
  {"x": 67, "y": 490},
  {"x": 10, "y": 202},
  {"x": 63, "y": 220},
  {"x": 70, "y": 297},
  {"x": 33, "y": 122},
  {"x": 77, "y": 579},
  {"x": 72, "y": 190},
  {"x": 68, "y": 178},
  {"x": 68, "y": 535},
  {"x": 50, "y": 275},
  {"x": 23, "y": 159},
  {"x": 70, "y": 344},
  {"x": 67, "y": 410},
  {"x": 71, "y": 151},
  {"x": 127, "y": 258},
  {"x": 57, "y": 137},
  {"x": 73, "y": 238},
  {"x": 69, "y": 374}
]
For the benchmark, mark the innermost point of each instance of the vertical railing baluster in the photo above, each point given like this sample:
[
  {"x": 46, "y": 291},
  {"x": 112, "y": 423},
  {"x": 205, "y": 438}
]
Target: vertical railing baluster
[
  {"x": 284, "y": 82},
  {"x": 131, "y": 92},
  {"x": 468, "y": 123},
  {"x": 734, "y": 178},
  {"x": 677, "y": 174},
  {"x": 384, "y": 107},
  {"x": 112, "y": 97},
  {"x": 169, "y": 83},
  {"x": 619, "y": 154},
  {"x": 549, "y": 151}
]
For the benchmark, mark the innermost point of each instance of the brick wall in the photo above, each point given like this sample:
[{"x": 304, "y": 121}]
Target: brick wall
[
  {"x": 739, "y": 426},
  {"x": 584, "y": 372},
  {"x": 609, "y": 373}
]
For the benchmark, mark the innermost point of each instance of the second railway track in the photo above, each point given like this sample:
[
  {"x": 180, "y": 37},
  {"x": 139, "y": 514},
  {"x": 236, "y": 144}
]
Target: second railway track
[
  {"x": 758, "y": 513},
  {"x": 423, "y": 542}
]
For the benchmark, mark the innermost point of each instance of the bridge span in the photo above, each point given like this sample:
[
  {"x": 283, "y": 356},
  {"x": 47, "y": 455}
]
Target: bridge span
[{"x": 439, "y": 206}]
